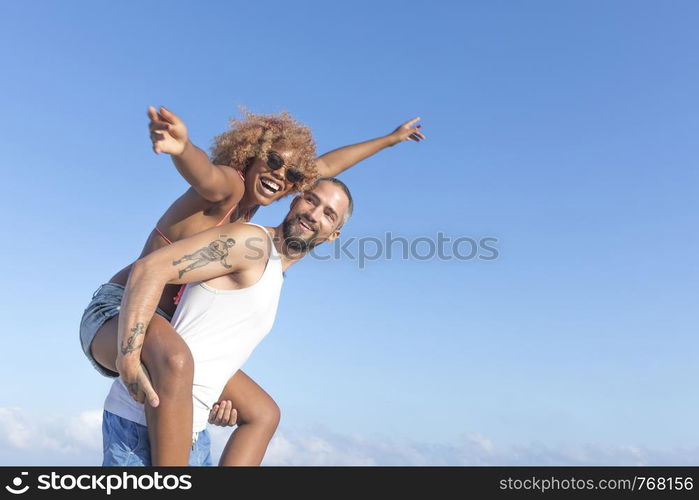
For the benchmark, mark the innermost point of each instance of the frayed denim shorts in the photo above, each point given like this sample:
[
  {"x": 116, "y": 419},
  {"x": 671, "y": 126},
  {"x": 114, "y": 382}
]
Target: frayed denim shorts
[
  {"x": 105, "y": 304},
  {"x": 125, "y": 443}
]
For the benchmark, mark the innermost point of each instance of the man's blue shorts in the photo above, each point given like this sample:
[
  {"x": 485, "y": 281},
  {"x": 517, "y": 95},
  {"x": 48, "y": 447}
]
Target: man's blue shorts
[{"x": 125, "y": 443}]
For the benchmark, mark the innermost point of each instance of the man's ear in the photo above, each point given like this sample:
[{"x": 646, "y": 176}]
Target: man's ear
[
  {"x": 294, "y": 201},
  {"x": 333, "y": 236}
]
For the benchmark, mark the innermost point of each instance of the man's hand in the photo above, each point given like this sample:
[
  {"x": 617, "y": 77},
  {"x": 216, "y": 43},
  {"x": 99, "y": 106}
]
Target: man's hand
[
  {"x": 137, "y": 381},
  {"x": 407, "y": 132},
  {"x": 167, "y": 131},
  {"x": 223, "y": 414}
]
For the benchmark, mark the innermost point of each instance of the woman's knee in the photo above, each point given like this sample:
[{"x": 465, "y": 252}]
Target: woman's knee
[
  {"x": 165, "y": 354},
  {"x": 177, "y": 362}
]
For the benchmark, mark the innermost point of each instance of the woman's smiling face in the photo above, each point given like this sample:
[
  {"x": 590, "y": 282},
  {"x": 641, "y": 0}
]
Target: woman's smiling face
[{"x": 272, "y": 176}]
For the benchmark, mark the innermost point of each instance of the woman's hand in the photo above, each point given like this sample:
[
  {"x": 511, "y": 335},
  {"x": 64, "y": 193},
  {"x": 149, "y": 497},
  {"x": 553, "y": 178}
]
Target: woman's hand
[
  {"x": 407, "y": 132},
  {"x": 223, "y": 414},
  {"x": 167, "y": 132}
]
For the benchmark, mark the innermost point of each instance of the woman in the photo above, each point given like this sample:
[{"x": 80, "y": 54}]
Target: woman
[{"x": 257, "y": 161}]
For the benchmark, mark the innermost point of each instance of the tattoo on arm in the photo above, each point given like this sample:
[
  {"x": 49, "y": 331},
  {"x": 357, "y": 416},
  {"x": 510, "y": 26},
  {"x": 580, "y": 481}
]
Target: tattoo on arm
[
  {"x": 127, "y": 346},
  {"x": 216, "y": 251},
  {"x": 133, "y": 388}
]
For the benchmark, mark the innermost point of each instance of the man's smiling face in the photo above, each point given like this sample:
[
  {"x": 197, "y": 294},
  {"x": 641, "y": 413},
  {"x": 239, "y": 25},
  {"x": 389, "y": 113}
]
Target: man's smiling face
[{"x": 315, "y": 216}]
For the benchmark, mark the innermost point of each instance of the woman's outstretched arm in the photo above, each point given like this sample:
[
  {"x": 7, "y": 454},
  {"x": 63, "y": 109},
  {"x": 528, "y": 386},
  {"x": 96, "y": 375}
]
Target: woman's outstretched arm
[
  {"x": 338, "y": 160},
  {"x": 214, "y": 183}
]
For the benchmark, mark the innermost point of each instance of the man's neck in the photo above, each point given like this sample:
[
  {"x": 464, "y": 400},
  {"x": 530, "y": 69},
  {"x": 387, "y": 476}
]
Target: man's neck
[{"x": 289, "y": 256}]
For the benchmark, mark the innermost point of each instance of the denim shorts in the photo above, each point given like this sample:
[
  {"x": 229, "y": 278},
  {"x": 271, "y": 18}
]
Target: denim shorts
[
  {"x": 105, "y": 304},
  {"x": 125, "y": 443}
]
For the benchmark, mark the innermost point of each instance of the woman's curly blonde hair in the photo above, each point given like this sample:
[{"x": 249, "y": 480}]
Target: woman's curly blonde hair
[{"x": 253, "y": 137}]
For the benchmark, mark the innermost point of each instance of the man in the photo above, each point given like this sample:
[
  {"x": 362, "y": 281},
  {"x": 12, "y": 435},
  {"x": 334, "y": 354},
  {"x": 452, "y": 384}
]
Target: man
[
  {"x": 256, "y": 161},
  {"x": 235, "y": 272}
]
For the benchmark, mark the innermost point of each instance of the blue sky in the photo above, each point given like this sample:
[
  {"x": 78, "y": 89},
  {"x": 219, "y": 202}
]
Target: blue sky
[{"x": 566, "y": 130}]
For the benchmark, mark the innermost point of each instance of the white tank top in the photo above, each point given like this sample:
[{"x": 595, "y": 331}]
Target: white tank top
[{"x": 221, "y": 328}]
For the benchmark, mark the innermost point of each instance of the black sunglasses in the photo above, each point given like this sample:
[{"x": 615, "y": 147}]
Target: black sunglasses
[{"x": 275, "y": 162}]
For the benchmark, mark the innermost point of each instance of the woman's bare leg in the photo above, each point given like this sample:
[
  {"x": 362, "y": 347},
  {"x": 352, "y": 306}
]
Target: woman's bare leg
[
  {"x": 171, "y": 368},
  {"x": 258, "y": 418}
]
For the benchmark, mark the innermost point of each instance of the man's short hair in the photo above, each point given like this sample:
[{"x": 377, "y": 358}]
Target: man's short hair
[{"x": 343, "y": 186}]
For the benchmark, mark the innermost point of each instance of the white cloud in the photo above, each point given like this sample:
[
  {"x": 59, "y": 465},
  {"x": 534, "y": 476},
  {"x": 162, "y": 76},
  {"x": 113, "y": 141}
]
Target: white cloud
[
  {"x": 28, "y": 439},
  {"x": 321, "y": 446}
]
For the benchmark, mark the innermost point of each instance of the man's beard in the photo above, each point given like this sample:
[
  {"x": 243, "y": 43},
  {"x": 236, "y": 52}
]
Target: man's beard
[{"x": 294, "y": 242}]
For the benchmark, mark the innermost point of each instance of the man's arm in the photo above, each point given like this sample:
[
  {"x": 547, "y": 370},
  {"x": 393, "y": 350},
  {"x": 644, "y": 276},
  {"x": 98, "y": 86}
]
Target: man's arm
[
  {"x": 175, "y": 264},
  {"x": 213, "y": 182},
  {"x": 337, "y": 161}
]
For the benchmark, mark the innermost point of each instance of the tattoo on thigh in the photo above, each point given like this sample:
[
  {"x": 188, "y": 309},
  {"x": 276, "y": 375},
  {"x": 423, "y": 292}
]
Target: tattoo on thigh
[
  {"x": 128, "y": 345},
  {"x": 216, "y": 251}
]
